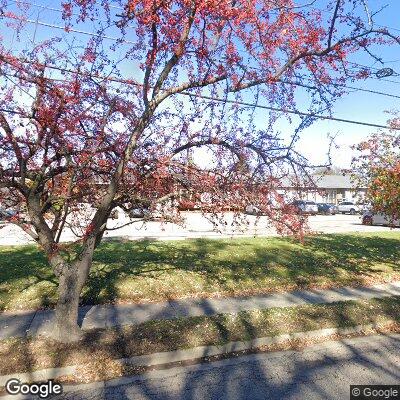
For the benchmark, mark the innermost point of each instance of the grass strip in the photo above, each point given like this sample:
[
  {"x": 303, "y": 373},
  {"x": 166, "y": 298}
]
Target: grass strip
[{"x": 99, "y": 348}]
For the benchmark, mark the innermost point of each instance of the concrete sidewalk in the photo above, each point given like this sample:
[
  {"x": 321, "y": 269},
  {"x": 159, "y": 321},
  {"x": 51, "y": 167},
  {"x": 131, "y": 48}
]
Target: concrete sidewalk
[{"x": 33, "y": 323}]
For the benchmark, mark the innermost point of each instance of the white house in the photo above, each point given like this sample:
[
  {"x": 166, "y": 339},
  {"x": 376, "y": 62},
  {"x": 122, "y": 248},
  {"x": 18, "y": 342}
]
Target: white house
[{"x": 328, "y": 189}]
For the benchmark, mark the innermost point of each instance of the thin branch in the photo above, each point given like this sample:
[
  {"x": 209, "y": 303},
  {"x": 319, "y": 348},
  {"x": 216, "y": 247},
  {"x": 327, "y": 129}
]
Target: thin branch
[
  {"x": 332, "y": 27},
  {"x": 177, "y": 54}
]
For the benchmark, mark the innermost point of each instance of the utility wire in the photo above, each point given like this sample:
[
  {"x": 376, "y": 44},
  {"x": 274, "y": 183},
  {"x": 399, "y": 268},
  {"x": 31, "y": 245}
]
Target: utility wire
[
  {"x": 263, "y": 107},
  {"x": 368, "y": 90},
  {"x": 58, "y": 10},
  {"x": 358, "y": 89},
  {"x": 270, "y": 108},
  {"x": 102, "y": 36},
  {"x": 121, "y": 8},
  {"x": 126, "y": 81},
  {"x": 66, "y": 29},
  {"x": 301, "y": 113}
]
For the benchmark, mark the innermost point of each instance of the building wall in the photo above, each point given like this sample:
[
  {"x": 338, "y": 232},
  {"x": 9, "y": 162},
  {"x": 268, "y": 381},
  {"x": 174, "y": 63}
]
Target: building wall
[{"x": 334, "y": 196}]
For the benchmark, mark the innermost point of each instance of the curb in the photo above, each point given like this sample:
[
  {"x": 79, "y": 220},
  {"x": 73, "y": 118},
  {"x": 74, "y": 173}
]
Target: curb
[
  {"x": 164, "y": 358},
  {"x": 156, "y": 359}
]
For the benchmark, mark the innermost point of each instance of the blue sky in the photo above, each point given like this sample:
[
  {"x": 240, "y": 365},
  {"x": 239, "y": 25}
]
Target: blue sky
[
  {"x": 356, "y": 105},
  {"x": 360, "y": 106}
]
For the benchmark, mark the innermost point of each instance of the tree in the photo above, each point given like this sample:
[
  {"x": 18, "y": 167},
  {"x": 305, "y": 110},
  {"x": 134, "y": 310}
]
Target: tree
[
  {"x": 79, "y": 138},
  {"x": 377, "y": 168}
]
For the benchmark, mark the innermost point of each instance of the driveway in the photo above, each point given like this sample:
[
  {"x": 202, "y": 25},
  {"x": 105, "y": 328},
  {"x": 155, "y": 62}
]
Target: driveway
[{"x": 197, "y": 225}]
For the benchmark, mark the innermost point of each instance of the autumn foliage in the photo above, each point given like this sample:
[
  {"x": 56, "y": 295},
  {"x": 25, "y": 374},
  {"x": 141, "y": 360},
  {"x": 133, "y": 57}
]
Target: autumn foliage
[{"x": 378, "y": 169}]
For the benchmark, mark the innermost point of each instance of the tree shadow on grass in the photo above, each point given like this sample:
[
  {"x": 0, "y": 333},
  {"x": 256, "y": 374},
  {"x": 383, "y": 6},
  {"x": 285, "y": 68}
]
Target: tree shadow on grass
[
  {"x": 353, "y": 248},
  {"x": 26, "y": 280},
  {"x": 335, "y": 260},
  {"x": 242, "y": 266},
  {"x": 147, "y": 270}
]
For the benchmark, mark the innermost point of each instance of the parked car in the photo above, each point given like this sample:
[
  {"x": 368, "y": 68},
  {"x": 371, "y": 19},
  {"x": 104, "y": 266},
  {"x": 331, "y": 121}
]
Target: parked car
[
  {"x": 365, "y": 207},
  {"x": 139, "y": 213},
  {"x": 6, "y": 214},
  {"x": 305, "y": 207},
  {"x": 327, "y": 208},
  {"x": 348, "y": 207},
  {"x": 334, "y": 207},
  {"x": 376, "y": 218},
  {"x": 252, "y": 210},
  {"x": 151, "y": 213}
]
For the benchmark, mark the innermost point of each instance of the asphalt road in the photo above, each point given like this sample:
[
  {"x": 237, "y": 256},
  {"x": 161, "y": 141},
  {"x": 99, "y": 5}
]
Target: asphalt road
[
  {"x": 324, "y": 371},
  {"x": 196, "y": 225}
]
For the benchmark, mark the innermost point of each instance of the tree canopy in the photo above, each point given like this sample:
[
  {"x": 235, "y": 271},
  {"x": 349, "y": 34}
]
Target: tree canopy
[
  {"x": 378, "y": 169},
  {"x": 115, "y": 121}
]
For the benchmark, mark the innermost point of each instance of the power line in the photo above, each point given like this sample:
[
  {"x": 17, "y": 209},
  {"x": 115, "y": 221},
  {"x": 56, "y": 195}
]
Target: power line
[
  {"x": 369, "y": 91},
  {"x": 361, "y": 66},
  {"x": 58, "y": 10},
  {"x": 37, "y": 22},
  {"x": 102, "y": 36},
  {"x": 264, "y": 107},
  {"x": 130, "y": 42},
  {"x": 126, "y": 81},
  {"x": 353, "y": 88},
  {"x": 301, "y": 113},
  {"x": 121, "y": 8},
  {"x": 67, "y": 29},
  {"x": 129, "y": 82},
  {"x": 269, "y": 108},
  {"x": 55, "y": 9},
  {"x": 223, "y": 100}
]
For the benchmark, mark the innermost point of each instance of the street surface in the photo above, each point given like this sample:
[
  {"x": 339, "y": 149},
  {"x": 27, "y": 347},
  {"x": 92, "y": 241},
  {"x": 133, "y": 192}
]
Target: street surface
[
  {"x": 324, "y": 371},
  {"x": 196, "y": 225}
]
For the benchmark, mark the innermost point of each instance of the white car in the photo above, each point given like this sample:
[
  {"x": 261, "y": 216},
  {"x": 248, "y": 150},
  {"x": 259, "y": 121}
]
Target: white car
[
  {"x": 252, "y": 210},
  {"x": 373, "y": 218},
  {"x": 305, "y": 207},
  {"x": 348, "y": 207}
]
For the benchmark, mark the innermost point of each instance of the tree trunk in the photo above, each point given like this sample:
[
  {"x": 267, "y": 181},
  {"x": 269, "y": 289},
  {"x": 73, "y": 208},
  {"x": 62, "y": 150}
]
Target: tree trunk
[{"x": 71, "y": 281}]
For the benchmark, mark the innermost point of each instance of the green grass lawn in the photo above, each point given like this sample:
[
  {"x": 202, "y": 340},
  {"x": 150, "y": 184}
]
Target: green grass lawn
[{"x": 151, "y": 271}]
